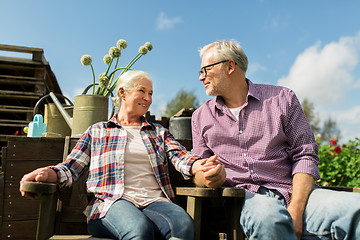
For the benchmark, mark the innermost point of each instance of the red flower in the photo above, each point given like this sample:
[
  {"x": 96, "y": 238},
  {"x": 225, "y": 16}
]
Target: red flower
[
  {"x": 337, "y": 149},
  {"x": 333, "y": 142}
]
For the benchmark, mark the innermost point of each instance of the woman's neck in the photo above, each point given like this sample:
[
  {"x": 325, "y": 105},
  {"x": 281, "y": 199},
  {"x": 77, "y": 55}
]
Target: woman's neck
[{"x": 126, "y": 119}]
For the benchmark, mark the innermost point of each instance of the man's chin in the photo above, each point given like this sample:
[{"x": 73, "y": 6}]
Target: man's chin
[{"x": 211, "y": 93}]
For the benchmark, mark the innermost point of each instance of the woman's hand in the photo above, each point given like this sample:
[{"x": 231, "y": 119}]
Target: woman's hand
[
  {"x": 39, "y": 175},
  {"x": 209, "y": 172}
]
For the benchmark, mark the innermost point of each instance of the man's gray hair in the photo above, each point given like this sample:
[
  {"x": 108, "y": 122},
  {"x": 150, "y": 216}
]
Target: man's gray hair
[
  {"x": 127, "y": 81},
  {"x": 227, "y": 50}
]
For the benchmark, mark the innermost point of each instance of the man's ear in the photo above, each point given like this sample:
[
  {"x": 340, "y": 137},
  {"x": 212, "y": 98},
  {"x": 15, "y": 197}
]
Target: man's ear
[{"x": 231, "y": 66}]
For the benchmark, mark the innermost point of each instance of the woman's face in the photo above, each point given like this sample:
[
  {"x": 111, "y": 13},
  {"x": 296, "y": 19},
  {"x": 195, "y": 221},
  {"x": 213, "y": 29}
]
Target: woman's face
[{"x": 138, "y": 99}]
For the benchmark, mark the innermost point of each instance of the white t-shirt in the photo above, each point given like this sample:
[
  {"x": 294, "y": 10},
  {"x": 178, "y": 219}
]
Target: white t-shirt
[
  {"x": 141, "y": 187},
  {"x": 235, "y": 112}
]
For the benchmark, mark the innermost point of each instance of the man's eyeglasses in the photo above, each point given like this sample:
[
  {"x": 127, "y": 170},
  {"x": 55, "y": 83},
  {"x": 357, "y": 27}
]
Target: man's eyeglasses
[{"x": 203, "y": 72}]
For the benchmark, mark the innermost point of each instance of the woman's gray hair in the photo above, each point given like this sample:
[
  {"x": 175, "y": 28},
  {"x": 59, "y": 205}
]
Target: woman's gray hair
[
  {"x": 226, "y": 50},
  {"x": 127, "y": 81}
]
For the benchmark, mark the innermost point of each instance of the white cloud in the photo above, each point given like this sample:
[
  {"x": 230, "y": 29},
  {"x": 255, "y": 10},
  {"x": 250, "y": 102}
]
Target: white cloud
[
  {"x": 254, "y": 68},
  {"x": 325, "y": 74},
  {"x": 348, "y": 122},
  {"x": 165, "y": 23}
]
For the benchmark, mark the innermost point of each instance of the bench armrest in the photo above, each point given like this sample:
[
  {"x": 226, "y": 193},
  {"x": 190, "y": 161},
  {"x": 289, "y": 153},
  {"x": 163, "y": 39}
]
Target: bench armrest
[
  {"x": 48, "y": 193},
  {"x": 40, "y": 188},
  {"x": 211, "y": 192}
]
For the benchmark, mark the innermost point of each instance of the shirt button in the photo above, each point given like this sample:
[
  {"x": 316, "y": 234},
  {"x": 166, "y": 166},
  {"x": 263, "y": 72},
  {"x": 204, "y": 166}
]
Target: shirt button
[
  {"x": 240, "y": 131},
  {"x": 251, "y": 171},
  {"x": 245, "y": 154}
]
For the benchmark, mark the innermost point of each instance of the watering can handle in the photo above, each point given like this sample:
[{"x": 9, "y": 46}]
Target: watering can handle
[
  {"x": 47, "y": 96},
  {"x": 109, "y": 90}
]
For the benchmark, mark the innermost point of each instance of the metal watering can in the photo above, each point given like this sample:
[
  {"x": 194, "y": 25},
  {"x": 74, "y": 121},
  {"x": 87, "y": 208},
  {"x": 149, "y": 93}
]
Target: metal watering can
[{"x": 88, "y": 109}]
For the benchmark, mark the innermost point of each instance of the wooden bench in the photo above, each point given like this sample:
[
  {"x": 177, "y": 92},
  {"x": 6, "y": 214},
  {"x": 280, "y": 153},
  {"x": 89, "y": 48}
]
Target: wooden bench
[{"x": 61, "y": 210}]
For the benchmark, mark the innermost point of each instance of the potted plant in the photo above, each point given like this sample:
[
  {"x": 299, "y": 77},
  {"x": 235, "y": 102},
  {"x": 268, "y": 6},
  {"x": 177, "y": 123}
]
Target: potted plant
[{"x": 89, "y": 109}]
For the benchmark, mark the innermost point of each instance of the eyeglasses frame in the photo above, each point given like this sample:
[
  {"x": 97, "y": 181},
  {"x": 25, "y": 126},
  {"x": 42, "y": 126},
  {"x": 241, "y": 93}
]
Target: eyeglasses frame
[{"x": 203, "y": 71}]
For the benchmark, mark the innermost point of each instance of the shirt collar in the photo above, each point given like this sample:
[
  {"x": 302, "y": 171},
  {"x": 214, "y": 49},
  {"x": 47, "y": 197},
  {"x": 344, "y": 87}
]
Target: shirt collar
[
  {"x": 144, "y": 122},
  {"x": 219, "y": 101}
]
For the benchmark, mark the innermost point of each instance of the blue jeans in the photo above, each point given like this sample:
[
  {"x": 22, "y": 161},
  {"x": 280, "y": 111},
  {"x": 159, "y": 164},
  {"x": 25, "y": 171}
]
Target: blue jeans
[
  {"x": 328, "y": 215},
  {"x": 159, "y": 220}
]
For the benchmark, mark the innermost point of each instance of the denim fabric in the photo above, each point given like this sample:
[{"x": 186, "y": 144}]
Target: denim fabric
[
  {"x": 328, "y": 215},
  {"x": 159, "y": 220}
]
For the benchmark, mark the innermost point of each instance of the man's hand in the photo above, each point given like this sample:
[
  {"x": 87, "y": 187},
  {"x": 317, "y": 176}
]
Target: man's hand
[
  {"x": 39, "y": 175},
  {"x": 209, "y": 172},
  {"x": 302, "y": 186}
]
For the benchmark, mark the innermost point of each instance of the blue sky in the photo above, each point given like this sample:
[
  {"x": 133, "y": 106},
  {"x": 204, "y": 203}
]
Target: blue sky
[{"x": 312, "y": 47}]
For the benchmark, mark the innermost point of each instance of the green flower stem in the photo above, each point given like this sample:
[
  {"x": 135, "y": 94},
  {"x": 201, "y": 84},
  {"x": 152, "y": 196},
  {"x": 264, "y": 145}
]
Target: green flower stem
[
  {"x": 112, "y": 74},
  {"x": 125, "y": 69},
  {"x": 107, "y": 70},
  {"x": 92, "y": 69},
  {"x": 134, "y": 60}
]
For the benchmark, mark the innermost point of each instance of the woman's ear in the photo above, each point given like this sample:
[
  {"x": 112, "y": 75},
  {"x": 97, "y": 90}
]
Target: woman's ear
[{"x": 122, "y": 93}]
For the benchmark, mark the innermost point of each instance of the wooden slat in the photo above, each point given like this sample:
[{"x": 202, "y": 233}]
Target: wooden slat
[
  {"x": 24, "y": 230},
  {"x": 21, "y": 82},
  {"x": 18, "y": 78},
  {"x": 13, "y": 124},
  {"x": 16, "y": 109},
  {"x": 36, "y": 150},
  {"x": 19, "y": 64},
  {"x": 37, "y": 53},
  {"x": 13, "y": 48},
  {"x": 10, "y": 92},
  {"x": 13, "y": 121}
]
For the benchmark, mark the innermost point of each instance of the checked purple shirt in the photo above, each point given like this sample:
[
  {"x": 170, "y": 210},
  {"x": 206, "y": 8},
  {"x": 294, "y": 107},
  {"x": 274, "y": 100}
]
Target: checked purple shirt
[
  {"x": 269, "y": 144},
  {"x": 101, "y": 149}
]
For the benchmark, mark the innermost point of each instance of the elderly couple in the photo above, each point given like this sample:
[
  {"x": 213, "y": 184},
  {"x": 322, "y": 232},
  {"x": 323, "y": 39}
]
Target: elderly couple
[{"x": 249, "y": 135}]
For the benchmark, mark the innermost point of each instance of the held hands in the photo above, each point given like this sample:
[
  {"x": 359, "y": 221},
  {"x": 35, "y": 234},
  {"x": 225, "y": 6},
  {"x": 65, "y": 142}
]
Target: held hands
[
  {"x": 209, "y": 172},
  {"x": 39, "y": 175}
]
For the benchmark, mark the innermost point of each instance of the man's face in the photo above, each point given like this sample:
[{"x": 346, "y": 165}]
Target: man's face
[{"x": 213, "y": 77}]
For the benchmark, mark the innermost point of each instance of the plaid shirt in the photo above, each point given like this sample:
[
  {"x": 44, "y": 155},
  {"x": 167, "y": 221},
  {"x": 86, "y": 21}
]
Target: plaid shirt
[
  {"x": 101, "y": 150},
  {"x": 269, "y": 144}
]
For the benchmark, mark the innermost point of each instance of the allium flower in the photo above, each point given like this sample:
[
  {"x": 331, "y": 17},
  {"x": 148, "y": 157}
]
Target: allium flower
[
  {"x": 86, "y": 60},
  {"x": 107, "y": 59},
  {"x": 143, "y": 50},
  {"x": 148, "y": 46},
  {"x": 114, "y": 52},
  {"x": 121, "y": 44},
  {"x": 107, "y": 81},
  {"x": 103, "y": 80},
  {"x": 337, "y": 149}
]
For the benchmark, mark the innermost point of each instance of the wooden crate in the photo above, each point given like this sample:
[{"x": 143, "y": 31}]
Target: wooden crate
[
  {"x": 23, "y": 81},
  {"x": 18, "y": 216}
]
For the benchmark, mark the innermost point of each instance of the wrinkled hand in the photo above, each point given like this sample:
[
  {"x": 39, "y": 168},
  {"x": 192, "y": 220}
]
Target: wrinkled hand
[
  {"x": 39, "y": 175},
  {"x": 209, "y": 172}
]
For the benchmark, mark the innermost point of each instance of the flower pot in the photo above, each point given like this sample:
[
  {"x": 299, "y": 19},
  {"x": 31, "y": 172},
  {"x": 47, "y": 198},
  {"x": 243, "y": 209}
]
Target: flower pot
[
  {"x": 88, "y": 109},
  {"x": 180, "y": 127}
]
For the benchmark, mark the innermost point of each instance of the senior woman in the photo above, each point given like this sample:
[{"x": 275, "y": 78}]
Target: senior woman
[{"x": 127, "y": 160}]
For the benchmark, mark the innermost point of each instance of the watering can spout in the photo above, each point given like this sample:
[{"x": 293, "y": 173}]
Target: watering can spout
[{"x": 66, "y": 116}]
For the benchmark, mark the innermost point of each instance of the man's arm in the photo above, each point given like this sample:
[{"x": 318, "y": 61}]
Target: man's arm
[{"x": 303, "y": 184}]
